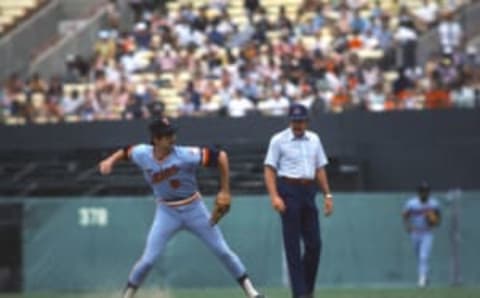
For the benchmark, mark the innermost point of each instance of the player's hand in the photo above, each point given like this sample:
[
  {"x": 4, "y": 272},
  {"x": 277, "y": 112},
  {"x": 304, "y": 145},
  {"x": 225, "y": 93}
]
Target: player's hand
[
  {"x": 223, "y": 198},
  {"x": 328, "y": 204},
  {"x": 105, "y": 166},
  {"x": 278, "y": 204}
]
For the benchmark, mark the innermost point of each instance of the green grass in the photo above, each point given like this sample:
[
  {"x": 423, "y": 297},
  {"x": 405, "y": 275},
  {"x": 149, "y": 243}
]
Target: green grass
[{"x": 277, "y": 293}]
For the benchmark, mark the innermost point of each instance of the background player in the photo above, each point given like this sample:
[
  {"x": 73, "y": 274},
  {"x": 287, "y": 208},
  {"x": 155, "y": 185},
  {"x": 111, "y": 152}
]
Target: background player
[
  {"x": 170, "y": 171},
  {"x": 421, "y": 214}
]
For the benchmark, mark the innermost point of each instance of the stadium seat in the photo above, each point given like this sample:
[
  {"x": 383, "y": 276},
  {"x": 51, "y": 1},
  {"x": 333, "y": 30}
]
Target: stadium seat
[{"x": 12, "y": 11}]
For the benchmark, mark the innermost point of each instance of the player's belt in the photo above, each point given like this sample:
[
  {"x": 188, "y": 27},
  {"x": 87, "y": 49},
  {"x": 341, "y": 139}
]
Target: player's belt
[
  {"x": 297, "y": 181},
  {"x": 181, "y": 202}
]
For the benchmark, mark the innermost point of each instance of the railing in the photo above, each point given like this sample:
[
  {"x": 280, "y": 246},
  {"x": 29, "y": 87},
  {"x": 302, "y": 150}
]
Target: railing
[
  {"x": 80, "y": 42},
  {"x": 469, "y": 18},
  {"x": 18, "y": 47}
]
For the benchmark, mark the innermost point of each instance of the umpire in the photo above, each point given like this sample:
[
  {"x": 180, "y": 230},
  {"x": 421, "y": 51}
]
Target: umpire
[{"x": 294, "y": 168}]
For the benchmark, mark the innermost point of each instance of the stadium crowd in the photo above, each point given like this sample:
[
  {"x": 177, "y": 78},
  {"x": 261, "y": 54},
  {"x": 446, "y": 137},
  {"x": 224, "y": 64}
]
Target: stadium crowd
[{"x": 198, "y": 60}]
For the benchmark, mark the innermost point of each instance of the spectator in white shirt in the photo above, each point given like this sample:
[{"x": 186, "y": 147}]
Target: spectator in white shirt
[
  {"x": 407, "y": 36},
  {"x": 427, "y": 12},
  {"x": 239, "y": 106},
  {"x": 288, "y": 88},
  {"x": 370, "y": 73},
  {"x": 128, "y": 62},
  {"x": 333, "y": 79},
  {"x": 71, "y": 104},
  {"x": 376, "y": 99},
  {"x": 369, "y": 40},
  {"x": 113, "y": 73},
  {"x": 188, "y": 35},
  {"x": 463, "y": 96},
  {"x": 276, "y": 105},
  {"x": 305, "y": 97},
  {"x": 451, "y": 33},
  {"x": 225, "y": 25},
  {"x": 271, "y": 70},
  {"x": 209, "y": 105},
  {"x": 225, "y": 92},
  {"x": 187, "y": 107},
  {"x": 323, "y": 43}
]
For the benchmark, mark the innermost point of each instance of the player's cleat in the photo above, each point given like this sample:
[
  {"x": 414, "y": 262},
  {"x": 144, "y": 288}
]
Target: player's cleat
[
  {"x": 249, "y": 289},
  {"x": 422, "y": 282},
  {"x": 129, "y": 293}
]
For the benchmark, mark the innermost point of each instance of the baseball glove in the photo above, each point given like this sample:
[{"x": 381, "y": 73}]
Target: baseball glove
[
  {"x": 432, "y": 218},
  {"x": 222, "y": 206}
]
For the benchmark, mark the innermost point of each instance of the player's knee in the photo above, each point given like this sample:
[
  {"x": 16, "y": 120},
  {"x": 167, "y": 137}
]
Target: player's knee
[
  {"x": 314, "y": 245},
  {"x": 224, "y": 253},
  {"x": 423, "y": 257}
]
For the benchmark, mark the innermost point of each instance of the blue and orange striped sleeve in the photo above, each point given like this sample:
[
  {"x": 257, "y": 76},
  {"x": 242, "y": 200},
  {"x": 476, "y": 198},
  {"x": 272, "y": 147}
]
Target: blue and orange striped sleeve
[{"x": 210, "y": 156}]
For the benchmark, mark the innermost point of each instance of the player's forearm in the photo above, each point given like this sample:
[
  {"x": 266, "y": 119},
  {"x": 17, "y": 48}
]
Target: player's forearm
[
  {"x": 224, "y": 169},
  {"x": 106, "y": 165},
  {"x": 322, "y": 180},
  {"x": 270, "y": 177},
  {"x": 117, "y": 156}
]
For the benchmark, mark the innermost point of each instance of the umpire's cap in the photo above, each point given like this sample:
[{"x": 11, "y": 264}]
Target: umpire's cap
[
  {"x": 161, "y": 127},
  {"x": 423, "y": 187},
  {"x": 297, "y": 112}
]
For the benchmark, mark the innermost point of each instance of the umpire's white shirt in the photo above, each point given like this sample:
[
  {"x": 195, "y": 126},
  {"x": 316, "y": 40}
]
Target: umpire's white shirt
[{"x": 295, "y": 157}]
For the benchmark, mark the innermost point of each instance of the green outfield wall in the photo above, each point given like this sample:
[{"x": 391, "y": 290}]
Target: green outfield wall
[{"x": 89, "y": 243}]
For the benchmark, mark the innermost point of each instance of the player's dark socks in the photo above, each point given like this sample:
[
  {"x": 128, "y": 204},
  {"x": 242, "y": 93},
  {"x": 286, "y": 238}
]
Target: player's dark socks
[{"x": 242, "y": 278}]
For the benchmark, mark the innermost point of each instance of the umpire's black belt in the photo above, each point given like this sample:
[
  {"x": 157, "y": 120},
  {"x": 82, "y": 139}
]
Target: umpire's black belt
[{"x": 297, "y": 181}]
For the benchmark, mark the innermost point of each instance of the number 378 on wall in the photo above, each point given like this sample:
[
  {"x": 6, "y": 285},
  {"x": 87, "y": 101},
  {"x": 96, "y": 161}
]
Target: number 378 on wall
[{"x": 93, "y": 216}]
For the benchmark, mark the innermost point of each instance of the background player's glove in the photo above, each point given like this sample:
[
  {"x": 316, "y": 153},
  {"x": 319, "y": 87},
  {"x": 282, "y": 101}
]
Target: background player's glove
[
  {"x": 432, "y": 218},
  {"x": 222, "y": 206}
]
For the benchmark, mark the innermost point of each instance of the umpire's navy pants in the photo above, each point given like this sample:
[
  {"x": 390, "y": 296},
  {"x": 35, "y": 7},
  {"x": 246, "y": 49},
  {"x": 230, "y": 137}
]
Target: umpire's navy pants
[{"x": 300, "y": 223}]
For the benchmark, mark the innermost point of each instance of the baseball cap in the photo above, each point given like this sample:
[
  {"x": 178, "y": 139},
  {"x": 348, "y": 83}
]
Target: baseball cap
[
  {"x": 297, "y": 112},
  {"x": 161, "y": 127},
  {"x": 423, "y": 186}
]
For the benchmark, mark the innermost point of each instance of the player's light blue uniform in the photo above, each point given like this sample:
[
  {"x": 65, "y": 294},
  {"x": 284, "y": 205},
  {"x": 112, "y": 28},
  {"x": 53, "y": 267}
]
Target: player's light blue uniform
[
  {"x": 421, "y": 232},
  {"x": 174, "y": 180}
]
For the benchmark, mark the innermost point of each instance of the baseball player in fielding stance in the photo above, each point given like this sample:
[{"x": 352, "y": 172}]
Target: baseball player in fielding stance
[
  {"x": 421, "y": 214},
  {"x": 170, "y": 171}
]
